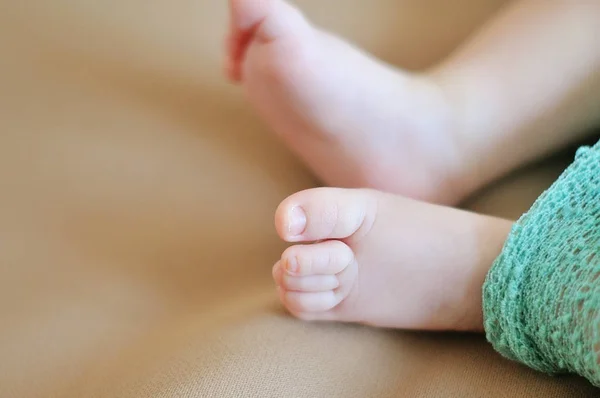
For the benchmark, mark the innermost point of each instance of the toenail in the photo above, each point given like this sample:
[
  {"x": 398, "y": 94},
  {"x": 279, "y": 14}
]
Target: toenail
[
  {"x": 296, "y": 221},
  {"x": 292, "y": 264}
]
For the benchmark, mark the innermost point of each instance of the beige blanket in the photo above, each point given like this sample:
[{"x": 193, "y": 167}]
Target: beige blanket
[{"x": 136, "y": 202}]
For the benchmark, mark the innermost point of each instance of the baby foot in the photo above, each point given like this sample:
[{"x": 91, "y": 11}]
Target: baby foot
[
  {"x": 354, "y": 120},
  {"x": 384, "y": 260}
]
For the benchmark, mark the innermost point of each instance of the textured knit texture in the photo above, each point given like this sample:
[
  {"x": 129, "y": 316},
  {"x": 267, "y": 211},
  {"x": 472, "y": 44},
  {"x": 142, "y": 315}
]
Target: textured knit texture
[{"x": 541, "y": 298}]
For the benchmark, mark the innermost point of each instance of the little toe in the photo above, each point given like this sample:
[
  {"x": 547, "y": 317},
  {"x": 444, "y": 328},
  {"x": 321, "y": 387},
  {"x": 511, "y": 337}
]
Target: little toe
[
  {"x": 313, "y": 283},
  {"x": 301, "y": 302},
  {"x": 325, "y": 213},
  {"x": 324, "y": 258}
]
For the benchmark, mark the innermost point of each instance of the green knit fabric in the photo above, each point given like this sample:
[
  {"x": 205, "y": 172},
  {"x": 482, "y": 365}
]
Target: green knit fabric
[{"x": 541, "y": 298}]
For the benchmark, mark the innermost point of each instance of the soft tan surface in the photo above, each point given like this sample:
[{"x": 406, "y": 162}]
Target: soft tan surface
[{"x": 137, "y": 192}]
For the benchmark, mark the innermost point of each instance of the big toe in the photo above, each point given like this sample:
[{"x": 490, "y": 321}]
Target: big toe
[
  {"x": 261, "y": 20},
  {"x": 325, "y": 213}
]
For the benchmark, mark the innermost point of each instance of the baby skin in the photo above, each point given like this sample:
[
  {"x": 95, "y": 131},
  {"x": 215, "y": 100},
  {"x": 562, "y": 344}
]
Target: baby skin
[
  {"x": 361, "y": 255},
  {"x": 355, "y": 121},
  {"x": 365, "y": 256}
]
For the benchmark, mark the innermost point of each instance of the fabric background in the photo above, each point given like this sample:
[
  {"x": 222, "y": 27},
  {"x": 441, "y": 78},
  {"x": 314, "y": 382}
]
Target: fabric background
[{"x": 136, "y": 202}]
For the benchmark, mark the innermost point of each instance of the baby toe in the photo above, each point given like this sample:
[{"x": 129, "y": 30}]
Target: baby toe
[
  {"x": 301, "y": 302},
  {"x": 313, "y": 283},
  {"x": 324, "y": 213},
  {"x": 324, "y": 258}
]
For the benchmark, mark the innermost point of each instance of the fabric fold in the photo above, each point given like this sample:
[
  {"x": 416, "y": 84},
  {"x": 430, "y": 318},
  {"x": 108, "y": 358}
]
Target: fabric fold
[{"x": 541, "y": 298}]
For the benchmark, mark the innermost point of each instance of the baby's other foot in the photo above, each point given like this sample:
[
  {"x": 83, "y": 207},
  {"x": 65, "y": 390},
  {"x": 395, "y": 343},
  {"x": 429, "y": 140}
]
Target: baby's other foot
[
  {"x": 384, "y": 260},
  {"x": 355, "y": 121}
]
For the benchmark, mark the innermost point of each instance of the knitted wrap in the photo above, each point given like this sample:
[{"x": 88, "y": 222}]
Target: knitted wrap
[{"x": 541, "y": 298}]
